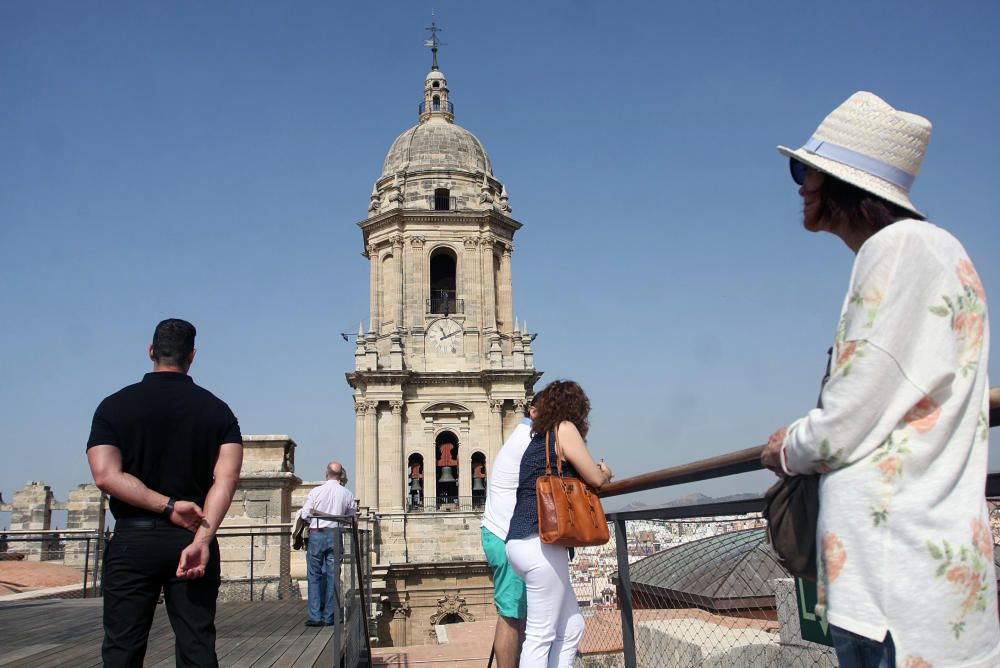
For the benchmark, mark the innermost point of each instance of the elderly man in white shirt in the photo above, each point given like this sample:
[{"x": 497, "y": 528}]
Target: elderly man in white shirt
[{"x": 324, "y": 504}]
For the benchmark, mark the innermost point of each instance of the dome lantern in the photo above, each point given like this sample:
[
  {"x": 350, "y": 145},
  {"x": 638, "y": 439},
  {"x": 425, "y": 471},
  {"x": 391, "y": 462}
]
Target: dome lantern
[{"x": 435, "y": 105}]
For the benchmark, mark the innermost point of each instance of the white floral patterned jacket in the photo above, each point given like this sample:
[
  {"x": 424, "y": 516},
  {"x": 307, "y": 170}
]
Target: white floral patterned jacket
[{"x": 904, "y": 537}]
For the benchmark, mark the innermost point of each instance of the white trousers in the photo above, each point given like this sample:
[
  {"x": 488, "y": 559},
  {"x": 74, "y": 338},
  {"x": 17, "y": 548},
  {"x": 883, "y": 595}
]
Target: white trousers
[{"x": 554, "y": 625}]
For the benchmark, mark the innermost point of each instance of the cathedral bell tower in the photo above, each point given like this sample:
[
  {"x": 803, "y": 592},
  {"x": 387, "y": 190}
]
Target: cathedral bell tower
[{"x": 443, "y": 370}]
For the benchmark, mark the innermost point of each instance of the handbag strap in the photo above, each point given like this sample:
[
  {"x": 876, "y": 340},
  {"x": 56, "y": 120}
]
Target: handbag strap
[{"x": 548, "y": 459}]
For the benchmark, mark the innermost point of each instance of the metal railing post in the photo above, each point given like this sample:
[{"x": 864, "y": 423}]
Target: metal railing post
[
  {"x": 251, "y": 566},
  {"x": 86, "y": 566},
  {"x": 99, "y": 551},
  {"x": 338, "y": 620},
  {"x": 625, "y": 598}
]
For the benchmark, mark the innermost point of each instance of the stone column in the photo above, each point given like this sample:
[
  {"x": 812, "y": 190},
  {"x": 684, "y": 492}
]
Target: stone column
[
  {"x": 397, "y": 254},
  {"x": 375, "y": 320},
  {"x": 360, "y": 450},
  {"x": 495, "y": 439},
  {"x": 31, "y": 509},
  {"x": 464, "y": 472},
  {"x": 393, "y": 480},
  {"x": 506, "y": 298},
  {"x": 371, "y": 455},
  {"x": 416, "y": 292},
  {"x": 471, "y": 281},
  {"x": 85, "y": 509},
  {"x": 488, "y": 282}
]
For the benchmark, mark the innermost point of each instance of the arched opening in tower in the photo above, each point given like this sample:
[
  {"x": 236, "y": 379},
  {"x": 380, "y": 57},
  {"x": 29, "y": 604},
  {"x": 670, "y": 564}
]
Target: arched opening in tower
[
  {"x": 447, "y": 469},
  {"x": 436, "y": 103},
  {"x": 478, "y": 471},
  {"x": 415, "y": 482},
  {"x": 442, "y": 288}
]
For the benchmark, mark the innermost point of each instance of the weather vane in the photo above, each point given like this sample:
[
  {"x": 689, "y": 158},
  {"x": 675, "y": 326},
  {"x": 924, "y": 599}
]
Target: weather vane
[{"x": 433, "y": 42}]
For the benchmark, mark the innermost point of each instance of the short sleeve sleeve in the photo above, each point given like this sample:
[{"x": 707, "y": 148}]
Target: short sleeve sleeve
[
  {"x": 102, "y": 431},
  {"x": 231, "y": 432}
]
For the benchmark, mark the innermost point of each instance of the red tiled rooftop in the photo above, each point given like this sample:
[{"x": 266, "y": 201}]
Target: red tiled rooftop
[{"x": 18, "y": 576}]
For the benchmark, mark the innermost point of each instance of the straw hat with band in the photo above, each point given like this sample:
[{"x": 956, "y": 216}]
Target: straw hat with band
[{"x": 868, "y": 144}]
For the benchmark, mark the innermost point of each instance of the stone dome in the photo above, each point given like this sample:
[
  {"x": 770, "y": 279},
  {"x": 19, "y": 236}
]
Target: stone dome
[{"x": 437, "y": 144}]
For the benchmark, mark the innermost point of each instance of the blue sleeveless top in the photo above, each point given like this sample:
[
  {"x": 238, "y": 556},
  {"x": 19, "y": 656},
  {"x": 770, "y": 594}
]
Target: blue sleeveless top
[{"x": 524, "y": 522}]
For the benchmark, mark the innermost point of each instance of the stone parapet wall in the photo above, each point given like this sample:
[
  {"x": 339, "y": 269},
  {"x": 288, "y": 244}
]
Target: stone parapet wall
[{"x": 428, "y": 537}]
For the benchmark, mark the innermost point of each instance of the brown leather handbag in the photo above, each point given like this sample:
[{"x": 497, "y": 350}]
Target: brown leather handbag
[{"x": 569, "y": 513}]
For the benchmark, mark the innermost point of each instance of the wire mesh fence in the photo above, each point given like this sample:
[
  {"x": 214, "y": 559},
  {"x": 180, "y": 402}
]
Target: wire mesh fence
[
  {"x": 695, "y": 591},
  {"x": 700, "y": 586}
]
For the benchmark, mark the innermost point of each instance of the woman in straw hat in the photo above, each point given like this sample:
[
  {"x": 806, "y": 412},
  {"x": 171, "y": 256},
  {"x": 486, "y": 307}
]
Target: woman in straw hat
[{"x": 906, "y": 573}]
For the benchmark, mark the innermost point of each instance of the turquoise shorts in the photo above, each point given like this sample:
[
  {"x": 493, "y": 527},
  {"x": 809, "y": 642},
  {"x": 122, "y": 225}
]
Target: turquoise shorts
[{"x": 508, "y": 589}]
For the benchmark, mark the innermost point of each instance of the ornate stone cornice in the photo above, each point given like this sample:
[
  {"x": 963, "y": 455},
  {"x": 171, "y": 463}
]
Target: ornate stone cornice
[{"x": 452, "y": 604}]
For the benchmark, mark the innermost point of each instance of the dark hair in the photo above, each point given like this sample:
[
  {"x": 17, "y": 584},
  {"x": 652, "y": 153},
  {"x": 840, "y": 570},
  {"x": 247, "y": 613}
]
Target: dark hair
[
  {"x": 561, "y": 400},
  {"x": 856, "y": 209},
  {"x": 173, "y": 341}
]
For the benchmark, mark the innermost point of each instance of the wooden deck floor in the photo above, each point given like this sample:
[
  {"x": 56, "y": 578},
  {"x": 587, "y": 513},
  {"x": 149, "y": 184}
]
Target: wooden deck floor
[{"x": 250, "y": 634}]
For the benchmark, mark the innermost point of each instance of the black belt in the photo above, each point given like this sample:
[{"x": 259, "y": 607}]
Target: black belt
[{"x": 143, "y": 523}]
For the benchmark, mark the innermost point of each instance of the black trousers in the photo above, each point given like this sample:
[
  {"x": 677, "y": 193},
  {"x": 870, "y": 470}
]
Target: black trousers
[{"x": 140, "y": 560}]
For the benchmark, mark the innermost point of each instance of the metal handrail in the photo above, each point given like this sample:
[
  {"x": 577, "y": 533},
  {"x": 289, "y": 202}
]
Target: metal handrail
[
  {"x": 741, "y": 461},
  {"x": 732, "y": 463},
  {"x": 44, "y": 532}
]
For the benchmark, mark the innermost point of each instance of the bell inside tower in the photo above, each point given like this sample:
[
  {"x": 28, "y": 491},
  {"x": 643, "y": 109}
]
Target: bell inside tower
[
  {"x": 478, "y": 480},
  {"x": 415, "y": 484},
  {"x": 446, "y": 448}
]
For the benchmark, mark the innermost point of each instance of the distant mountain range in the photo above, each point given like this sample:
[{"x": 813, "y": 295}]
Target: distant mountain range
[{"x": 692, "y": 499}]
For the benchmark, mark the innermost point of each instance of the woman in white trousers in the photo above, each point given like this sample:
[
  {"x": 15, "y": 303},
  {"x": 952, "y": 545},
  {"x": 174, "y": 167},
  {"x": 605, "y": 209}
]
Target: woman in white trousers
[{"x": 554, "y": 625}]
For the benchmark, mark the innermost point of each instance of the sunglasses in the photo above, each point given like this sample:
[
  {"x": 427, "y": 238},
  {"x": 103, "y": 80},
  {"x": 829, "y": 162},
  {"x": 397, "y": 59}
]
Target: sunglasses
[{"x": 798, "y": 170}]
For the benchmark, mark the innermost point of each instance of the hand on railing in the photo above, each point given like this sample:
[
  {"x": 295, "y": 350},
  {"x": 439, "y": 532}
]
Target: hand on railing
[
  {"x": 770, "y": 456},
  {"x": 606, "y": 470}
]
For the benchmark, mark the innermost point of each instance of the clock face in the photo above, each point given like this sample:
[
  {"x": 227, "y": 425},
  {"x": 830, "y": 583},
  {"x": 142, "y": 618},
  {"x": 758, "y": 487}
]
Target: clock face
[{"x": 445, "y": 336}]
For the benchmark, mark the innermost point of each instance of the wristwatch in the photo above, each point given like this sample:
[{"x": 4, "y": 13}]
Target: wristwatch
[{"x": 168, "y": 509}]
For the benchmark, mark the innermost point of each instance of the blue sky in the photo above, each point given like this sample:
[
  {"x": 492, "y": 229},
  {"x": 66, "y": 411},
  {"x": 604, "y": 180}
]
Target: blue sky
[{"x": 209, "y": 160}]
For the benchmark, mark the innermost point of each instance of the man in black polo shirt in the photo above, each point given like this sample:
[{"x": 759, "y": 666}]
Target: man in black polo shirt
[{"x": 168, "y": 453}]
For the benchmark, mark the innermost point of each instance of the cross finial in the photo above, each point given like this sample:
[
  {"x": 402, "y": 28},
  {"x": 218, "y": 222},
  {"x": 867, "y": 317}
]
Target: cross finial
[{"x": 433, "y": 42}]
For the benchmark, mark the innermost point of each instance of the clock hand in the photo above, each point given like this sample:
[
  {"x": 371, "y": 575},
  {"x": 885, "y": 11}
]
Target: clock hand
[{"x": 457, "y": 331}]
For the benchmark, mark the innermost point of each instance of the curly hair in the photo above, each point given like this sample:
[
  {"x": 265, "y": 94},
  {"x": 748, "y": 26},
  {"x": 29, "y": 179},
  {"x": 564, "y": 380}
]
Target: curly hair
[{"x": 561, "y": 400}]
